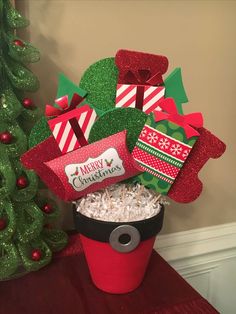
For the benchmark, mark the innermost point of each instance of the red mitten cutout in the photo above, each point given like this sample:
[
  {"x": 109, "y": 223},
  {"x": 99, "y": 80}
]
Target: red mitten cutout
[{"x": 187, "y": 186}]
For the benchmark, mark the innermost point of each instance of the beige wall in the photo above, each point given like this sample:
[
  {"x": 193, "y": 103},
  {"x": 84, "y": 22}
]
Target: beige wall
[{"x": 199, "y": 36}]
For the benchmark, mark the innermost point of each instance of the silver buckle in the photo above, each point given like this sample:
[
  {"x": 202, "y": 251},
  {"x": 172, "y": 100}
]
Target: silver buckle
[{"x": 124, "y": 238}]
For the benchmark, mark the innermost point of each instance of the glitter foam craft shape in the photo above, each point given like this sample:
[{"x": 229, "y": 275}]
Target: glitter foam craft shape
[
  {"x": 164, "y": 144},
  {"x": 140, "y": 75},
  {"x": 91, "y": 166},
  {"x": 72, "y": 125}
]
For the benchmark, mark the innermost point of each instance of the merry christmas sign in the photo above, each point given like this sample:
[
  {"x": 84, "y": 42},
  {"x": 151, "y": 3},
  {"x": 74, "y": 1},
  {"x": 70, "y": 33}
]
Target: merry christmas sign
[
  {"x": 104, "y": 166},
  {"x": 84, "y": 170}
]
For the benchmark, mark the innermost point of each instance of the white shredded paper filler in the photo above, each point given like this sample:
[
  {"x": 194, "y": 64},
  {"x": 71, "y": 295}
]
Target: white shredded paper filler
[{"x": 120, "y": 203}]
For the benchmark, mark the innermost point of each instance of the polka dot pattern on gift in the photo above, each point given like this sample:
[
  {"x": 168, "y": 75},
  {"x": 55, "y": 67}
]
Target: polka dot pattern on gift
[{"x": 167, "y": 146}]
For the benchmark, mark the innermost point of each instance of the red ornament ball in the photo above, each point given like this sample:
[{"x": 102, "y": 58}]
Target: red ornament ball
[
  {"x": 36, "y": 255},
  {"x": 19, "y": 43},
  {"x": 28, "y": 103},
  {"x": 21, "y": 182},
  {"x": 5, "y": 137},
  {"x": 47, "y": 209},
  {"x": 3, "y": 223}
]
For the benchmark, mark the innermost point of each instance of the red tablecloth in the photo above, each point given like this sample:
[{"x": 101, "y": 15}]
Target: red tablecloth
[{"x": 64, "y": 287}]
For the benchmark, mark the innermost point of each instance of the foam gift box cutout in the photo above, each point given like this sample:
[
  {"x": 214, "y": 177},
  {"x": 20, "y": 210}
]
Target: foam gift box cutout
[
  {"x": 143, "y": 97},
  {"x": 72, "y": 125},
  {"x": 187, "y": 186},
  {"x": 164, "y": 144},
  {"x": 174, "y": 88},
  {"x": 66, "y": 87},
  {"x": 139, "y": 77},
  {"x": 85, "y": 170}
]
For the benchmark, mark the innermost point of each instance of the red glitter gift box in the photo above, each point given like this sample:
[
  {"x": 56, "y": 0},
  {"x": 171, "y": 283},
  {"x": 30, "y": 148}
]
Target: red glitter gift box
[
  {"x": 72, "y": 125},
  {"x": 140, "y": 76}
]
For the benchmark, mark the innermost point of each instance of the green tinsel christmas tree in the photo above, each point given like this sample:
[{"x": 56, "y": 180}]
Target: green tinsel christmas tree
[{"x": 26, "y": 238}]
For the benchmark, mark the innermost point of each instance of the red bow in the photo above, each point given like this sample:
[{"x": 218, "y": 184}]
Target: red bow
[
  {"x": 63, "y": 103},
  {"x": 185, "y": 121},
  {"x": 143, "y": 77}
]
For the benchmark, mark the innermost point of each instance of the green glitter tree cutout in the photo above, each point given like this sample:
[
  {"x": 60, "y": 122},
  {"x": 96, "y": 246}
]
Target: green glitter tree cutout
[{"x": 26, "y": 241}]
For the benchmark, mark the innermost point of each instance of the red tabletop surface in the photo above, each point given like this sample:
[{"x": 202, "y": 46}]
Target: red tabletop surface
[{"x": 65, "y": 287}]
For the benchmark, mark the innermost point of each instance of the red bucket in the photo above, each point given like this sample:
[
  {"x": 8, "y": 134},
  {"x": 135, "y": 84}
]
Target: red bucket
[{"x": 118, "y": 253}]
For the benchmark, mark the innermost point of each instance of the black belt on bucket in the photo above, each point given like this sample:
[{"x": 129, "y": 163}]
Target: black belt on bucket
[{"x": 101, "y": 230}]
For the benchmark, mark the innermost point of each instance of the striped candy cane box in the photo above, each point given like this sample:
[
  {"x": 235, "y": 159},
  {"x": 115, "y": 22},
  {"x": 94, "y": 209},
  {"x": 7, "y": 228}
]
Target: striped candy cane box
[
  {"x": 71, "y": 129},
  {"x": 143, "y": 97}
]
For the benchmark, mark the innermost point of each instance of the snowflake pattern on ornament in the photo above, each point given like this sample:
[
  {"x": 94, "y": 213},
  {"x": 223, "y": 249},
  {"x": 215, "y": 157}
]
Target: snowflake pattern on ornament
[
  {"x": 185, "y": 153},
  {"x": 164, "y": 143},
  {"x": 176, "y": 149},
  {"x": 143, "y": 133},
  {"x": 152, "y": 137}
]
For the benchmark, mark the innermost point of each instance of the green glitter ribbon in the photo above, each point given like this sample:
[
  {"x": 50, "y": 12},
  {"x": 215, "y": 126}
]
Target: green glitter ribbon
[
  {"x": 12, "y": 17},
  {"x": 19, "y": 142},
  {"x": 55, "y": 239},
  {"x": 25, "y": 54},
  {"x": 7, "y": 213},
  {"x": 25, "y": 250},
  {"x": 20, "y": 210},
  {"x": 27, "y": 193},
  {"x": 30, "y": 221},
  {"x": 10, "y": 106},
  {"x": 7, "y": 175},
  {"x": 52, "y": 216},
  {"x": 9, "y": 260}
]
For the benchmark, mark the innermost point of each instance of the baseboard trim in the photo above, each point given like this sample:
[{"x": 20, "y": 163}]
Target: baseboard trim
[{"x": 199, "y": 250}]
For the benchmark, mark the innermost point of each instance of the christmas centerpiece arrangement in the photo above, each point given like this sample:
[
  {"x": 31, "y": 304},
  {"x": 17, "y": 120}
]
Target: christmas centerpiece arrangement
[
  {"x": 26, "y": 241},
  {"x": 113, "y": 146}
]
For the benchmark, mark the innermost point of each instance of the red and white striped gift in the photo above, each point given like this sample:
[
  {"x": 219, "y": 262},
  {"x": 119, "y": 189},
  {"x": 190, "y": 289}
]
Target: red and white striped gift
[
  {"x": 63, "y": 132},
  {"x": 126, "y": 96}
]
